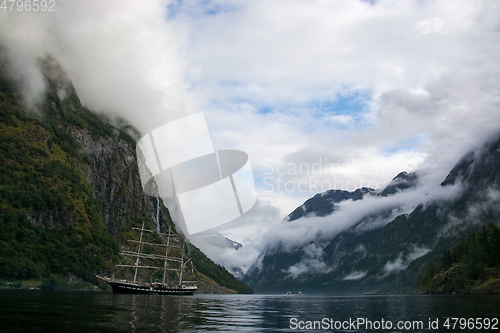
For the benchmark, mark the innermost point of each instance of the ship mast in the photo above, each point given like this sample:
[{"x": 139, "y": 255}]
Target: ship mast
[
  {"x": 166, "y": 256},
  {"x": 138, "y": 252},
  {"x": 182, "y": 264}
]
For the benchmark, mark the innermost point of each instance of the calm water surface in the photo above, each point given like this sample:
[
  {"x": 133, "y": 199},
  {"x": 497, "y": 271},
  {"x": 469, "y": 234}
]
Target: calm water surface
[{"x": 44, "y": 311}]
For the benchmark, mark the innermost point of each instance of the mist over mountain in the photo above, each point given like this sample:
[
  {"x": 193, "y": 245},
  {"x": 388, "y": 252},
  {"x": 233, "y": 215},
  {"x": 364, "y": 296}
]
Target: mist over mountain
[{"x": 384, "y": 250}]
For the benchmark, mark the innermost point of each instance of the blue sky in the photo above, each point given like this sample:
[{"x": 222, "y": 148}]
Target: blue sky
[{"x": 197, "y": 9}]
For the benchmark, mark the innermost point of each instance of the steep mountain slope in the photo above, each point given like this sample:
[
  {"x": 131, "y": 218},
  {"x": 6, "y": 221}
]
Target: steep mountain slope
[
  {"x": 388, "y": 256},
  {"x": 70, "y": 189}
]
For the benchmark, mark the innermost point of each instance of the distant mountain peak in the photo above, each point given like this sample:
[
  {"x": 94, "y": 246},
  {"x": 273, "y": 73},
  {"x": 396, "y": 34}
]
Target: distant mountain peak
[
  {"x": 323, "y": 204},
  {"x": 401, "y": 182}
]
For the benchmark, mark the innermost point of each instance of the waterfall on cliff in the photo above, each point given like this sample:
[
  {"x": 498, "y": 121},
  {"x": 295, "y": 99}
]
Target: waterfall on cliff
[{"x": 158, "y": 214}]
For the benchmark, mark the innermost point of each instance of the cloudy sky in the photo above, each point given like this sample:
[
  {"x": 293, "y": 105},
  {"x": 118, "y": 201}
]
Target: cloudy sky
[{"x": 319, "y": 94}]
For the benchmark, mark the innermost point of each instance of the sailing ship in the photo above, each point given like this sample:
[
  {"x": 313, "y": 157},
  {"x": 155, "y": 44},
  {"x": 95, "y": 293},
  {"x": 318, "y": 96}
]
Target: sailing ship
[{"x": 146, "y": 258}]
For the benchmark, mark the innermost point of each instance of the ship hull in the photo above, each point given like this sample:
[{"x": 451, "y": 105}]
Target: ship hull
[{"x": 144, "y": 289}]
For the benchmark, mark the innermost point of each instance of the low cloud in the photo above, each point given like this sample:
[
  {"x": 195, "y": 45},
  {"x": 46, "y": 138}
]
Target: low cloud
[
  {"x": 402, "y": 262},
  {"x": 311, "y": 263},
  {"x": 490, "y": 200},
  {"x": 305, "y": 230},
  {"x": 394, "y": 266},
  {"x": 246, "y": 230},
  {"x": 354, "y": 276},
  {"x": 22, "y": 67}
]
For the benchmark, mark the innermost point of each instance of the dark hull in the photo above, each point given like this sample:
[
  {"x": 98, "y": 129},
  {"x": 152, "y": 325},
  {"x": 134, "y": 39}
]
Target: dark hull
[{"x": 133, "y": 288}]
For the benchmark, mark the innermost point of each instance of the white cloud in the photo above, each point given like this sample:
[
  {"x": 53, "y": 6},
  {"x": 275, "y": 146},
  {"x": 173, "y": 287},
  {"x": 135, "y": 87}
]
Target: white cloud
[
  {"x": 432, "y": 26},
  {"x": 123, "y": 57},
  {"x": 311, "y": 262},
  {"x": 394, "y": 266},
  {"x": 355, "y": 275},
  {"x": 401, "y": 263}
]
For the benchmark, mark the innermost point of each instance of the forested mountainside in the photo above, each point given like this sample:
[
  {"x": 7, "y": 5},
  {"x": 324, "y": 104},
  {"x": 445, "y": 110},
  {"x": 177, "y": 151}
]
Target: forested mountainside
[
  {"x": 384, "y": 254},
  {"x": 471, "y": 266},
  {"x": 70, "y": 190}
]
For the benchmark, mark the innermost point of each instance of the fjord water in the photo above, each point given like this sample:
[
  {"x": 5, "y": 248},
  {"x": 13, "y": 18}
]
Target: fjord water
[{"x": 63, "y": 311}]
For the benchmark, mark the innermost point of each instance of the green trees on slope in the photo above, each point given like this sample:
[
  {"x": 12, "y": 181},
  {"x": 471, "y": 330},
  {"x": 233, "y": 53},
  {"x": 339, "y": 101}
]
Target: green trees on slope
[
  {"x": 468, "y": 261},
  {"x": 51, "y": 223}
]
